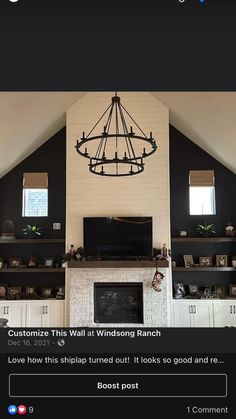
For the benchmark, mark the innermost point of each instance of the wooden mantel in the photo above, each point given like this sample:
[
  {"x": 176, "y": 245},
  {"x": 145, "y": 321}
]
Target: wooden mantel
[{"x": 119, "y": 264}]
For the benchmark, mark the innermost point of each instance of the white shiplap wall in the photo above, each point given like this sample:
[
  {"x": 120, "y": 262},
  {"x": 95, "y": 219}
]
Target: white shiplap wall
[{"x": 146, "y": 194}]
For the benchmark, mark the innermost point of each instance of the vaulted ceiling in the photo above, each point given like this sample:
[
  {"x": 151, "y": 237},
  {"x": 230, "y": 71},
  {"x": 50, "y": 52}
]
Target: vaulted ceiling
[
  {"x": 208, "y": 119},
  {"x": 29, "y": 119}
]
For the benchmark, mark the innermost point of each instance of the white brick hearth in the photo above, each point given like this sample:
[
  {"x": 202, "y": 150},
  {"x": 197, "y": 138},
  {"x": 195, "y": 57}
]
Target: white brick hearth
[{"x": 81, "y": 295}]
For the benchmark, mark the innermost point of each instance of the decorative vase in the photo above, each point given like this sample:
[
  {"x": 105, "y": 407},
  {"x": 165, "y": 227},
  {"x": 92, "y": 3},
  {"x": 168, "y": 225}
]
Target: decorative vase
[{"x": 234, "y": 263}]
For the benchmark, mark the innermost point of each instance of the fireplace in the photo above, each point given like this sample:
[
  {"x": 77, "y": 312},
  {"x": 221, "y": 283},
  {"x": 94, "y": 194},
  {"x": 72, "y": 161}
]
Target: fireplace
[{"x": 118, "y": 302}]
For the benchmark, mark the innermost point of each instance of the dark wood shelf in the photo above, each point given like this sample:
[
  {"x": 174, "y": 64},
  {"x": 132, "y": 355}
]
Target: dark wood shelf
[
  {"x": 31, "y": 241},
  {"x": 119, "y": 264},
  {"x": 205, "y": 269},
  {"x": 203, "y": 239},
  {"x": 26, "y": 270}
]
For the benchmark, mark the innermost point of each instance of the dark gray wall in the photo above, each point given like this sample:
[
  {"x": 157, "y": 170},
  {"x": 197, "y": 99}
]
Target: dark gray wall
[
  {"x": 50, "y": 158},
  {"x": 185, "y": 156}
]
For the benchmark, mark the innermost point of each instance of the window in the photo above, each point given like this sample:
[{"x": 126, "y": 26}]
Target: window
[
  {"x": 202, "y": 192},
  {"x": 35, "y": 195}
]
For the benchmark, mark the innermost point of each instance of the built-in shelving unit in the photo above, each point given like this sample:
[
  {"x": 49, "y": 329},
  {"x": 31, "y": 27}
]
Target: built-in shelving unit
[
  {"x": 203, "y": 276},
  {"x": 40, "y": 276}
]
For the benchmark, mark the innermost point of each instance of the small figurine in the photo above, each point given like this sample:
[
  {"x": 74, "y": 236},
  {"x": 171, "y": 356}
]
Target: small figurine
[
  {"x": 229, "y": 230},
  {"x": 32, "y": 262},
  {"x": 165, "y": 252},
  {"x": 156, "y": 282},
  {"x": 72, "y": 252}
]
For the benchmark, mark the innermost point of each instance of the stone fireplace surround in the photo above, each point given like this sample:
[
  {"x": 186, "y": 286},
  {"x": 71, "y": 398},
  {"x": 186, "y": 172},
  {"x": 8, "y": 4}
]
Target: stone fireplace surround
[{"x": 80, "y": 293}]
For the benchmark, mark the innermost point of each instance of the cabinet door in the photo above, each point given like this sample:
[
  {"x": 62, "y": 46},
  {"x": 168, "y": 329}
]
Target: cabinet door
[
  {"x": 45, "y": 314},
  {"x": 202, "y": 315},
  {"x": 14, "y": 312},
  {"x": 37, "y": 315},
  {"x": 182, "y": 314},
  {"x": 3, "y": 312},
  {"x": 233, "y": 316},
  {"x": 223, "y": 314},
  {"x": 56, "y": 313}
]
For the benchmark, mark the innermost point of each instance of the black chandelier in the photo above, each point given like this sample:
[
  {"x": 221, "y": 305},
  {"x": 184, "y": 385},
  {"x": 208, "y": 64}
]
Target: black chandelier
[{"x": 117, "y": 151}]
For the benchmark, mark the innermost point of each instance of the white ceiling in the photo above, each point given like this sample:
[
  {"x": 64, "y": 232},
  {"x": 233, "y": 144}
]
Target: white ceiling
[
  {"x": 208, "y": 119},
  {"x": 27, "y": 120}
]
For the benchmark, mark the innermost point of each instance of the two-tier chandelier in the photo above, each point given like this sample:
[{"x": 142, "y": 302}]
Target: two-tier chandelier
[{"x": 117, "y": 150}]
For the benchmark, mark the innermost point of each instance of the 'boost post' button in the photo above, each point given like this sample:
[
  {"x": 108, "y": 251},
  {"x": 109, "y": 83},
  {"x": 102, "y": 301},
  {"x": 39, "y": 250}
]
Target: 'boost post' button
[{"x": 123, "y": 386}]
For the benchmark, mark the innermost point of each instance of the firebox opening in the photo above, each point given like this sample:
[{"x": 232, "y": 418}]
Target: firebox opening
[{"x": 118, "y": 302}]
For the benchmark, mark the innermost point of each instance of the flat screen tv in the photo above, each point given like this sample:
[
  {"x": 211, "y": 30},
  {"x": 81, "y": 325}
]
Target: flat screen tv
[{"x": 117, "y": 237}]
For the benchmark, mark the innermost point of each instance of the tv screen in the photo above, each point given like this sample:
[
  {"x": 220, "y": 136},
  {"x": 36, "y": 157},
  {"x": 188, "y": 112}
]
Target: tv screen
[{"x": 117, "y": 237}]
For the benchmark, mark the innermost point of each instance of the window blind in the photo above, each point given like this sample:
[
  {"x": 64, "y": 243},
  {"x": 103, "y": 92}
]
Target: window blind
[
  {"x": 35, "y": 180},
  {"x": 201, "y": 178}
]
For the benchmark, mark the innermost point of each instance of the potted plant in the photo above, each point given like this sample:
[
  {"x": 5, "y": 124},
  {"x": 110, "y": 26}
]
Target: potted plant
[
  {"x": 206, "y": 230},
  {"x": 234, "y": 261},
  {"x": 32, "y": 231}
]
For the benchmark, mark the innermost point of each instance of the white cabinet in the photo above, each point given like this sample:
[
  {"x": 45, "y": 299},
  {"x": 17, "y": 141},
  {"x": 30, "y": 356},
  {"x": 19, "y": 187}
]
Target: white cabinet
[
  {"x": 42, "y": 313},
  {"x": 225, "y": 313},
  {"x": 192, "y": 314},
  {"x": 14, "y": 312},
  {"x": 45, "y": 314}
]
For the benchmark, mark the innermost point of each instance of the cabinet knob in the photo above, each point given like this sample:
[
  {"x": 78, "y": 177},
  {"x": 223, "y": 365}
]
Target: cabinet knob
[
  {"x": 231, "y": 309},
  {"x": 234, "y": 309}
]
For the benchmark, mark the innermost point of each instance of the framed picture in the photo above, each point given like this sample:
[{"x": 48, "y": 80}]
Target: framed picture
[
  {"x": 3, "y": 291},
  {"x": 179, "y": 290},
  {"x": 193, "y": 289},
  {"x": 188, "y": 261},
  {"x": 222, "y": 260},
  {"x": 30, "y": 290},
  {"x": 60, "y": 292},
  {"x": 49, "y": 262},
  {"x": 15, "y": 263},
  {"x": 46, "y": 292},
  {"x": 218, "y": 291},
  {"x": 205, "y": 261},
  {"x": 14, "y": 293},
  {"x": 207, "y": 292},
  {"x": 232, "y": 290}
]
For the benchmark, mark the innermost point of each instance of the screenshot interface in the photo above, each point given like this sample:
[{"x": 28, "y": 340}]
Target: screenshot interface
[{"x": 117, "y": 208}]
